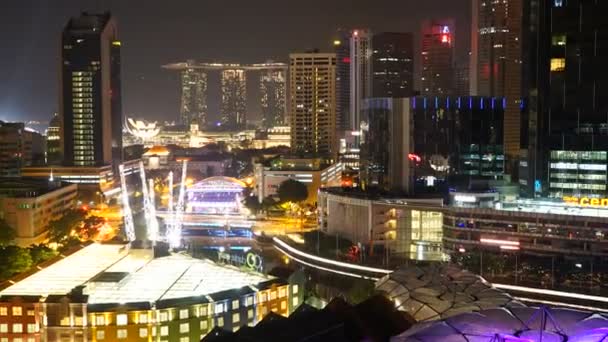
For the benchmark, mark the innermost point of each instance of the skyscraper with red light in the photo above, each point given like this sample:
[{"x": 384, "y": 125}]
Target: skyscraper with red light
[{"x": 437, "y": 57}]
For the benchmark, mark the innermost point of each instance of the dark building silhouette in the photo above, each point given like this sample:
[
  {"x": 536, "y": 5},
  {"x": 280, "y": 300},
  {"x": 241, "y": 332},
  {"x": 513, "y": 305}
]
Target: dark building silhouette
[
  {"x": 90, "y": 91},
  {"x": 566, "y": 99},
  {"x": 393, "y": 64},
  {"x": 437, "y": 57},
  {"x": 342, "y": 50},
  {"x": 459, "y": 136}
]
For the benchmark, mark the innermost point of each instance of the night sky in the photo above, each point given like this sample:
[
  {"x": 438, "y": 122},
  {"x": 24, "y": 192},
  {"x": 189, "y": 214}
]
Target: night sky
[{"x": 155, "y": 32}]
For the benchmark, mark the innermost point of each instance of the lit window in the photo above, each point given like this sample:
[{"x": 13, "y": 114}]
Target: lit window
[
  {"x": 31, "y": 339},
  {"x": 31, "y": 312},
  {"x": 121, "y": 319},
  {"x": 3, "y": 328},
  {"x": 283, "y": 305},
  {"x": 273, "y": 295},
  {"x": 17, "y": 311},
  {"x": 164, "y": 316},
  {"x": 3, "y": 311},
  {"x": 235, "y": 318},
  {"x": 558, "y": 64},
  {"x": 183, "y": 314},
  {"x": 250, "y": 301},
  {"x": 17, "y": 328},
  {"x": 558, "y": 3},
  {"x": 143, "y": 332},
  {"x": 143, "y": 318},
  {"x": 184, "y": 328},
  {"x": 100, "y": 320},
  {"x": 219, "y": 308},
  {"x": 121, "y": 333},
  {"x": 204, "y": 311},
  {"x": 282, "y": 292},
  {"x": 184, "y": 339},
  {"x": 235, "y": 304},
  {"x": 559, "y": 40},
  {"x": 101, "y": 334},
  {"x": 164, "y": 330},
  {"x": 31, "y": 328},
  {"x": 203, "y": 325},
  {"x": 295, "y": 289},
  {"x": 220, "y": 322},
  {"x": 295, "y": 301}
]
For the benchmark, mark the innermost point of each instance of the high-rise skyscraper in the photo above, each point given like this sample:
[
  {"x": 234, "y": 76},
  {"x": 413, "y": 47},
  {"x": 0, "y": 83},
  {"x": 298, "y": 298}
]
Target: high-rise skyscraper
[
  {"x": 193, "y": 95},
  {"x": 272, "y": 97},
  {"x": 19, "y": 147},
  {"x": 234, "y": 98},
  {"x": 496, "y": 59},
  {"x": 341, "y": 45},
  {"x": 90, "y": 91},
  {"x": 566, "y": 98},
  {"x": 53, "y": 141},
  {"x": 393, "y": 64},
  {"x": 312, "y": 104},
  {"x": 386, "y": 143},
  {"x": 198, "y": 80},
  {"x": 438, "y": 40},
  {"x": 360, "y": 74}
]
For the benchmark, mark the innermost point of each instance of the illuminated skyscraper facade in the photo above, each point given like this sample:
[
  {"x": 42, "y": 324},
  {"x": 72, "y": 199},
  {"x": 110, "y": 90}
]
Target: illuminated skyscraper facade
[
  {"x": 341, "y": 45},
  {"x": 437, "y": 57},
  {"x": 566, "y": 101},
  {"x": 496, "y": 59},
  {"x": 193, "y": 95},
  {"x": 312, "y": 103},
  {"x": 360, "y": 74},
  {"x": 90, "y": 91},
  {"x": 234, "y": 98},
  {"x": 393, "y": 64},
  {"x": 273, "y": 97},
  {"x": 53, "y": 141}
]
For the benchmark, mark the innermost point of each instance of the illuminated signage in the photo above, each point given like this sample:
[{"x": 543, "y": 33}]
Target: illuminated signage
[
  {"x": 461, "y": 198},
  {"x": 586, "y": 201}
]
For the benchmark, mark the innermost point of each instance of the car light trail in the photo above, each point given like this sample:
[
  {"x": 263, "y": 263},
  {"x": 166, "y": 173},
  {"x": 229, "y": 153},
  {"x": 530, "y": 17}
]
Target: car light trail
[
  {"x": 354, "y": 275},
  {"x": 551, "y": 292},
  {"x": 549, "y": 302},
  {"x": 329, "y": 261}
]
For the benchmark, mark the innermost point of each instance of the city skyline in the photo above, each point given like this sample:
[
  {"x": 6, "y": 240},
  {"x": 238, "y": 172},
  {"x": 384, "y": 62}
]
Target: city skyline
[{"x": 32, "y": 48}]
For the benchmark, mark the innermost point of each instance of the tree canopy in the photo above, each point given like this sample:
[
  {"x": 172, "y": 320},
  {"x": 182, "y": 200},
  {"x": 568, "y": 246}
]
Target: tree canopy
[
  {"x": 292, "y": 191},
  {"x": 7, "y": 233},
  {"x": 61, "y": 229}
]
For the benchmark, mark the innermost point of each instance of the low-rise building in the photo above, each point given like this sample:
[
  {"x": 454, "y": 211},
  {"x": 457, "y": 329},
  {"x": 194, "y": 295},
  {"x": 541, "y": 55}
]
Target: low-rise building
[
  {"x": 207, "y": 164},
  {"x": 116, "y": 293},
  {"x": 313, "y": 172},
  {"x": 29, "y": 205},
  {"x": 19, "y": 146},
  {"x": 411, "y": 227}
]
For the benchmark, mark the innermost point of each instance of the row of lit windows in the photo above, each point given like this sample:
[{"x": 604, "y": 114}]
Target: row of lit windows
[
  {"x": 82, "y": 99},
  {"x": 578, "y": 186},
  {"x": 578, "y": 176},
  {"x": 82, "y": 73},
  {"x": 82, "y": 84},
  {"x": 575, "y": 166},
  {"x": 17, "y": 328},
  {"x": 15, "y": 311},
  {"x": 579, "y": 155}
]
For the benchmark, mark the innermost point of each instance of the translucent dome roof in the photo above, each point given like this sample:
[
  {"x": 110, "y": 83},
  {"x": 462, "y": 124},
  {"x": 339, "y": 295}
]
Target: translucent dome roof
[
  {"x": 437, "y": 292},
  {"x": 515, "y": 324}
]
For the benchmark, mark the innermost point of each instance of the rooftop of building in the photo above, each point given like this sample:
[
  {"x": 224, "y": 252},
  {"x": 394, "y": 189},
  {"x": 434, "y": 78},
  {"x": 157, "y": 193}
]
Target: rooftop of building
[
  {"x": 114, "y": 274},
  {"x": 376, "y": 194},
  {"x": 28, "y": 187},
  {"x": 375, "y": 319}
]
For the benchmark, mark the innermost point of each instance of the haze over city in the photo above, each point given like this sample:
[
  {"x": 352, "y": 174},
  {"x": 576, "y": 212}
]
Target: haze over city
[{"x": 157, "y": 32}]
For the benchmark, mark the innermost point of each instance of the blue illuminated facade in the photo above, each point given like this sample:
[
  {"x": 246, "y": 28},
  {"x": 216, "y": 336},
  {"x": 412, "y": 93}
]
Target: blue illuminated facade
[{"x": 459, "y": 135}]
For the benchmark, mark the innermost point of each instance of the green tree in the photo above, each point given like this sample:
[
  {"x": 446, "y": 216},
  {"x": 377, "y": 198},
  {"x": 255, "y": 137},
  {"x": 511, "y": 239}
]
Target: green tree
[
  {"x": 292, "y": 191},
  {"x": 41, "y": 253},
  {"x": 7, "y": 233},
  {"x": 61, "y": 229},
  {"x": 13, "y": 260},
  {"x": 252, "y": 203}
]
